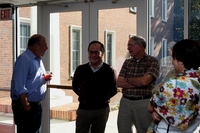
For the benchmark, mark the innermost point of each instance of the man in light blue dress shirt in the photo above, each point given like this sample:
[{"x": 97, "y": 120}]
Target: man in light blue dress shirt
[{"x": 28, "y": 86}]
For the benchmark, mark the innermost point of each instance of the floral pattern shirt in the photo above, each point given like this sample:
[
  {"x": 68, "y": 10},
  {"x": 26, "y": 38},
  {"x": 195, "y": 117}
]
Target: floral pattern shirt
[{"x": 177, "y": 101}]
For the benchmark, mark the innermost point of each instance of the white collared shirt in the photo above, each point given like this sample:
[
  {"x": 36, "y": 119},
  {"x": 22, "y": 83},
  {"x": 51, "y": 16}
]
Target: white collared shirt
[{"x": 96, "y": 69}]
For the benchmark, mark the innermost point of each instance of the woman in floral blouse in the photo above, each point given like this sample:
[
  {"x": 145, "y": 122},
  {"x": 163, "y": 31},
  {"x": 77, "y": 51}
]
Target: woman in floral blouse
[{"x": 175, "y": 106}]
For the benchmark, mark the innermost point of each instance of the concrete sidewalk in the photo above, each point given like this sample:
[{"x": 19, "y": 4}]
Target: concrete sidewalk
[{"x": 62, "y": 126}]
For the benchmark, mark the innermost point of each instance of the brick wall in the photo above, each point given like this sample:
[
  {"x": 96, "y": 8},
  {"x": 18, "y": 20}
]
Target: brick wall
[
  {"x": 4, "y": 94},
  {"x": 24, "y": 12},
  {"x": 66, "y": 19},
  {"x": 110, "y": 19},
  {"x": 115, "y": 19},
  {"x": 6, "y": 50}
]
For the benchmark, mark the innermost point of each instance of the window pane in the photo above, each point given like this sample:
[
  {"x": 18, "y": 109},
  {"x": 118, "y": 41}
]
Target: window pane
[
  {"x": 75, "y": 49},
  {"x": 109, "y": 49},
  {"x": 109, "y": 42},
  {"x": 171, "y": 30},
  {"x": 24, "y": 35},
  {"x": 194, "y": 19}
]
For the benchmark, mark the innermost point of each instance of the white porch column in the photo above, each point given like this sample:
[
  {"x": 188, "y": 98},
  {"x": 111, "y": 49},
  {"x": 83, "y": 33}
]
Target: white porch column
[{"x": 43, "y": 23}]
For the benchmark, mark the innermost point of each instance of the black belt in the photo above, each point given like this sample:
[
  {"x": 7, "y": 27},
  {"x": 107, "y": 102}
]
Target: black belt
[
  {"x": 17, "y": 102},
  {"x": 35, "y": 103},
  {"x": 136, "y": 98}
]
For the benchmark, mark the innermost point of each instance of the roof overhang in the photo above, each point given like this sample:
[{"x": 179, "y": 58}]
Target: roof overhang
[{"x": 21, "y": 3}]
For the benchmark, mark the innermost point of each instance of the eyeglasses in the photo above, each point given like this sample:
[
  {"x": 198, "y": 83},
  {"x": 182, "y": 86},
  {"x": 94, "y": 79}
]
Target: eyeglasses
[{"x": 94, "y": 52}]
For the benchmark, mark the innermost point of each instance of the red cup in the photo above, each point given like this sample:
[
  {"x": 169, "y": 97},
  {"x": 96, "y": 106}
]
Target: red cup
[{"x": 47, "y": 75}]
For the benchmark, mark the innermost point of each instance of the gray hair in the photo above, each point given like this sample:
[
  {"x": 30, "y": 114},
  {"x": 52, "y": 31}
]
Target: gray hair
[{"x": 139, "y": 40}]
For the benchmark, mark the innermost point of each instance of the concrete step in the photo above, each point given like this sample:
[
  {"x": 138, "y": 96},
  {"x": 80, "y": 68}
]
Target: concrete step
[
  {"x": 7, "y": 128},
  {"x": 65, "y": 112}
]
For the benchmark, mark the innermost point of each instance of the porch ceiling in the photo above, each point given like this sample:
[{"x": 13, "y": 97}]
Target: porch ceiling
[{"x": 19, "y": 3}]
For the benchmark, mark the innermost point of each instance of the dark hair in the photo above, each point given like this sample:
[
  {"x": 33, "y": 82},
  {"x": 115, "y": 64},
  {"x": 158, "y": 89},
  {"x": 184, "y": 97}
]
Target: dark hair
[
  {"x": 37, "y": 38},
  {"x": 139, "y": 40},
  {"x": 188, "y": 52},
  {"x": 101, "y": 44}
]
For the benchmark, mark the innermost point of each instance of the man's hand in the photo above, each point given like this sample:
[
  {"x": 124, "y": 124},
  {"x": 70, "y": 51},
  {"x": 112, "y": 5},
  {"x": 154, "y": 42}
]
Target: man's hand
[
  {"x": 48, "y": 76},
  {"x": 24, "y": 102},
  {"x": 123, "y": 83},
  {"x": 156, "y": 117}
]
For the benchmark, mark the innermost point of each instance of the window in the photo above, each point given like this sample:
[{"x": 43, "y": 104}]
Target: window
[
  {"x": 110, "y": 47},
  {"x": 164, "y": 10},
  {"x": 75, "y": 43},
  {"x": 164, "y": 51},
  {"x": 151, "y": 8},
  {"x": 24, "y": 36},
  {"x": 151, "y": 46}
]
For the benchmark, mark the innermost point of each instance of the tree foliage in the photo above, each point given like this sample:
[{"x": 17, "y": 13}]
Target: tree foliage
[
  {"x": 194, "y": 19},
  {"x": 178, "y": 20}
]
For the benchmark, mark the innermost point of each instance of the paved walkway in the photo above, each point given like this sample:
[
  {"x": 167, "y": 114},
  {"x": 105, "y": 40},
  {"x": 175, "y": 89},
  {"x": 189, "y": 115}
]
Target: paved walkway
[{"x": 61, "y": 126}]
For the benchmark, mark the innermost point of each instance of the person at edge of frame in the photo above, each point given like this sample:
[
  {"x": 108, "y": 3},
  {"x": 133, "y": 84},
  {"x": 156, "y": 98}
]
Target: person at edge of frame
[
  {"x": 28, "y": 86},
  {"x": 175, "y": 102}
]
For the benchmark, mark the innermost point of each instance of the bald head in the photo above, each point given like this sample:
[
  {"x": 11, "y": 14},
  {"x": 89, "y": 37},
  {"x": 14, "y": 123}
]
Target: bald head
[
  {"x": 37, "y": 44},
  {"x": 35, "y": 39}
]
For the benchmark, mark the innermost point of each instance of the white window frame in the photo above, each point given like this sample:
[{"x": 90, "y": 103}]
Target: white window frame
[
  {"x": 164, "y": 10},
  {"x": 28, "y": 22},
  {"x": 164, "y": 51},
  {"x": 24, "y": 38},
  {"x": 72, "y": 28},
  {"x": 151, "y": 8},
  {"x": 151, "y": 46},
  {"x": 113, "y": 47}
]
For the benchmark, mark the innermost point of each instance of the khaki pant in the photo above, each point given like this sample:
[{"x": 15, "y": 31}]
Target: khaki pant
[{"x": 133, "y": 112}]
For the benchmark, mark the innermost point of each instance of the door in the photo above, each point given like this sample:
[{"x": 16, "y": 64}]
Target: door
[{"x": 72, "y": 27}]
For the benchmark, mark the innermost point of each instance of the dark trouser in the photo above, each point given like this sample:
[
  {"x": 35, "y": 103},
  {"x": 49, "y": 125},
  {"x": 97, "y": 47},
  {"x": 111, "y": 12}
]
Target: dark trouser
[
  {"x": 93, "y": 120},
  {"x": 27, "y": 121}
]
